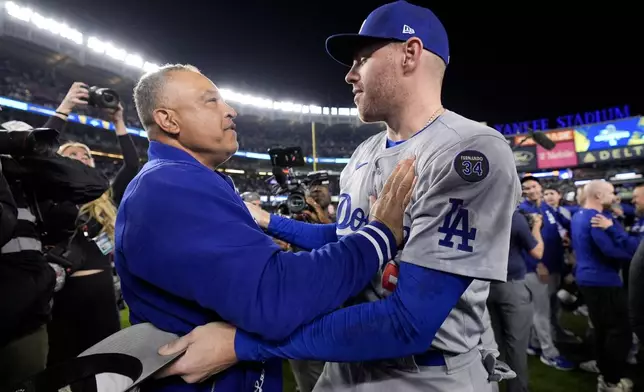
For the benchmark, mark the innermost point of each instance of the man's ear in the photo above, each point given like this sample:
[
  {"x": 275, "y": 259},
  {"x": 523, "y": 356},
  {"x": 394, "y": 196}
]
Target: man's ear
[
  {"x": 412, "y": 50},
  {"x": 166, "y": 120}
]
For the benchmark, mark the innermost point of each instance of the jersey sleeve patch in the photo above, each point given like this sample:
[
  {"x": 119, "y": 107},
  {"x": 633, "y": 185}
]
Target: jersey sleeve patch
[{"x": 472, "y": 165}]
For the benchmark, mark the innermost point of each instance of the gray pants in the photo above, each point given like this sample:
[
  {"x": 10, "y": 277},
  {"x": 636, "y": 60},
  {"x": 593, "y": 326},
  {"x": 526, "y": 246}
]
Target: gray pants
[
  {"x": 306, "y": 373},
  {"x": 541, "y": 331},
  {"x": 469, "y": 376},
  {"x": 24, "y": 357},
  {"x": 510, "y": 308},
  {"x": 554, "y": 282}
]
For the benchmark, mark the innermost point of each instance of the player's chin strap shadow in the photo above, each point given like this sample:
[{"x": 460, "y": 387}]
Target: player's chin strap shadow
[{"x": 496, "y": 370}]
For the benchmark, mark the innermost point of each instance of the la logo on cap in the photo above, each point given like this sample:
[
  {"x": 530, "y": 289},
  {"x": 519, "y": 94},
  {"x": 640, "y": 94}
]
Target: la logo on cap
[{"x": 408, "y": 30}]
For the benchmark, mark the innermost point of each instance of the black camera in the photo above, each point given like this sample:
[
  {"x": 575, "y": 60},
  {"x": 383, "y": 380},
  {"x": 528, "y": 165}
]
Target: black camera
[
  {"x": 284, "y": 181},
  {"x": 101, "y": 97},
  {"x": 288, "y": 157}
]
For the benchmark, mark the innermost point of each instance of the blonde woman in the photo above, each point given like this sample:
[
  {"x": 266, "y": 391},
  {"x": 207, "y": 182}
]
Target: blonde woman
[{"x": 85, "y": 310}]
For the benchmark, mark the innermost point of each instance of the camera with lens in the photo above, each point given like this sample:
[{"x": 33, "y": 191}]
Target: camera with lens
[
  {"x": 103, "y": 98},
  {"x": 285, "y": 182},
  {"x": 18, "y": 139}
]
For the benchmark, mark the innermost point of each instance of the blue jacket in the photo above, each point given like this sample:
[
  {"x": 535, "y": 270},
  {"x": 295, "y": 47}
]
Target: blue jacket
[
  {"x": 188, "y": 253},
  {"x": 600, "y": 254},
  {"x": 637, "y": 230},
  {"x": 553, "y": 249}
]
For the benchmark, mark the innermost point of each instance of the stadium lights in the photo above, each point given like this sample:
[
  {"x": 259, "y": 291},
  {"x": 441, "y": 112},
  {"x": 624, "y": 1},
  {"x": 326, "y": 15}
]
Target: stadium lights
[
  {"x": 626, "y": 176},
  {"x": 57, "y": 28},
  {"x": 543, "y": 175},
  {"x": 106, "y": 48},
  {"x": 584, "y": 182},
  {"x": 61, "y": 29},
  {"x": 565, "y": 174}
]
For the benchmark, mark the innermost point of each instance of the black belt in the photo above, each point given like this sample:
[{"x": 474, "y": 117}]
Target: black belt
[{"x": 430, "y": 358}]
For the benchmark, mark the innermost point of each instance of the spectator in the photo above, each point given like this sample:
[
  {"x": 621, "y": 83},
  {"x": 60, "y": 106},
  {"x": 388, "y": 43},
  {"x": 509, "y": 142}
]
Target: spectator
[
  {"x": 543, "y": 277},
  {"x": 85, "y": 311},
  {"x": 552, "y": 197}
]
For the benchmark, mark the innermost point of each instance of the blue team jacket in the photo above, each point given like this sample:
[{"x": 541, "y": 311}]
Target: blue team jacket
[
  {"x": 600, "y": 254},
  {"x": 188, "y": 253}
]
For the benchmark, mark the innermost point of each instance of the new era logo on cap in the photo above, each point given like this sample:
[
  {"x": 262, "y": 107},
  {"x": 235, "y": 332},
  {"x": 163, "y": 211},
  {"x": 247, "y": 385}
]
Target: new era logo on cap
[{"x": 408, "y": 30}]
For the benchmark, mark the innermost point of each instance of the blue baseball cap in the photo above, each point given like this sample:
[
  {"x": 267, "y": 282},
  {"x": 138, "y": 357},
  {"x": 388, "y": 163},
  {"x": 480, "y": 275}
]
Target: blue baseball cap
[{"x": 397, "y": 21}]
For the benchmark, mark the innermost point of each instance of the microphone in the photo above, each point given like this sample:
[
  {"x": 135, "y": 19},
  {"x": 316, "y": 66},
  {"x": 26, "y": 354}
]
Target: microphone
[{"x": 541, "y": 139}]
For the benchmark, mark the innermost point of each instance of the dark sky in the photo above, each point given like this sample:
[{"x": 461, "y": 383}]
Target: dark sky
[{"x": 525, "y": 61}]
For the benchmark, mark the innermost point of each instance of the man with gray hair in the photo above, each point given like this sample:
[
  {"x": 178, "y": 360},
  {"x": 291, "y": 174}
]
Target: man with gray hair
[{"x": 189, "y": 252}]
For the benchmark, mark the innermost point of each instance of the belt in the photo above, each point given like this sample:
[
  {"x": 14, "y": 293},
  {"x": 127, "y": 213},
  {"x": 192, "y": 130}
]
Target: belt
[{"x": 430, "y": 358}]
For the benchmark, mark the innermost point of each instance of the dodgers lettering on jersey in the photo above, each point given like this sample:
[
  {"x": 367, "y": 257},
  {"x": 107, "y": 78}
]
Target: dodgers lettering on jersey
[{"x": 459, "y": 217}]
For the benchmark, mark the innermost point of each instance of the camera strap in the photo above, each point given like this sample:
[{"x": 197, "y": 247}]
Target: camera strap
[
  {"x": 41, "y": 221},
  {"x": 60, "y": 253}
]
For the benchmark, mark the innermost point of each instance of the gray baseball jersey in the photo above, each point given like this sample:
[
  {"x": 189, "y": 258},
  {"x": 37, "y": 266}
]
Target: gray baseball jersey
[{"x": 459, "y": 217}]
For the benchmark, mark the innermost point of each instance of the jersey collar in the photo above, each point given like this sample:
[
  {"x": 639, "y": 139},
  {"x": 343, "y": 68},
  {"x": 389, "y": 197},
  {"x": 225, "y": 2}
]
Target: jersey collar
[{"x": 159, "y": 150}]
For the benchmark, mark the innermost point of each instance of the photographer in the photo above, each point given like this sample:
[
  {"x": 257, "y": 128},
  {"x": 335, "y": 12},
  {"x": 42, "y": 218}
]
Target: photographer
[
  {"x": 544, "y": 276},
  {"x": 509, "y": 303},
  {"x": 307, "y": 373},
  {"x": 320, "y": 199},
  {"x": 85, "y": 310},
  {"x": 35, "y": 174}
]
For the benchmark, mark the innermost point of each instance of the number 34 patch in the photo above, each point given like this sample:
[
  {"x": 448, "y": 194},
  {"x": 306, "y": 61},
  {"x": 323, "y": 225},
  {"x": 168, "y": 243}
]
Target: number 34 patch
[{"x": 471, "y": 165}]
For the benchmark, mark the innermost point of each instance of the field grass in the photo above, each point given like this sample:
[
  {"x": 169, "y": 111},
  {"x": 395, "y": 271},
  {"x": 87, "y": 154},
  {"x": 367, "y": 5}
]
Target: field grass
[{"x": 542, "y": 377}]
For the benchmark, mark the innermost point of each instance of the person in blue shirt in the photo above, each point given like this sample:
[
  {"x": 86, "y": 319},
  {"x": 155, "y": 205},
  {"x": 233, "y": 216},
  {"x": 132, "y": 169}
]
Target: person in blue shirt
[
  {"x": 603, "y": 248},
  {"x": 552, "y": 196},
  {"x": 637, "y": 229},
  {"x": 509, "y": 302},
  {"x": 543, "y": 276},
  {"x": 189, "y": 252}
]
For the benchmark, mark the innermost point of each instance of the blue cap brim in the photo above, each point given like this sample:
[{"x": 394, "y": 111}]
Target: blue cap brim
[{"x": 343, "y": 47}]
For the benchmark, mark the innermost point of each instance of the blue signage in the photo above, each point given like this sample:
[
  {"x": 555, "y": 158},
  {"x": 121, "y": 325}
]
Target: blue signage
[
  {"x": 566, "y": 121},
  {"x": 621, "y": 133}
]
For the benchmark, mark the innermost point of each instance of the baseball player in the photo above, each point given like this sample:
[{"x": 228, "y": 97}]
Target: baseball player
[{"x": 426, "y": 308}]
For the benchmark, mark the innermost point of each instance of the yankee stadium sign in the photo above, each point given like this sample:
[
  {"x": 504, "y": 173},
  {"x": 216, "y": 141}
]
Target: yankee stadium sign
[{"x": 565, "y": 121}]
